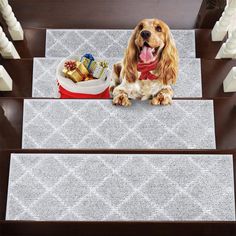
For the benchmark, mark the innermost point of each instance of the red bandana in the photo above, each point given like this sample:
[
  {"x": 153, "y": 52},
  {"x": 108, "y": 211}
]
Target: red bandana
[{"x": 145, "y": 69}]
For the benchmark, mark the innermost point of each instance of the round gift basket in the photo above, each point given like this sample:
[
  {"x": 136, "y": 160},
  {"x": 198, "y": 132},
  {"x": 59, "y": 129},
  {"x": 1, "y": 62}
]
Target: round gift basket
[{"x": 95, "y": 88}]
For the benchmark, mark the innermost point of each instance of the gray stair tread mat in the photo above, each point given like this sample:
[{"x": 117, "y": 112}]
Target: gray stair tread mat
[
  {"x": 121, "y": 187},
  {"x": 97, "y": 124},
  {"x": 45, "y": 80},
  {"x": 106, "y": 43}
]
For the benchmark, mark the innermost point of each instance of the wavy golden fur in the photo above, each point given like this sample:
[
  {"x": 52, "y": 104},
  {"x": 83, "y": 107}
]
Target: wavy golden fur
[{"x": 160, "y": 39}]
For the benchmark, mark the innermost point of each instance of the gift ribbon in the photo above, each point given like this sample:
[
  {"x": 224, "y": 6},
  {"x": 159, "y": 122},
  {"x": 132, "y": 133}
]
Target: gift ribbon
[
  {"x": 80, "y": 73},
  {"x": 103, "y": 64}
]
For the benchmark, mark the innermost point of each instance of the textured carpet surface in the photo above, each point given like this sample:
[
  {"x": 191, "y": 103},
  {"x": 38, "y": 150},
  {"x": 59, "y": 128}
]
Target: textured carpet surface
[
  {"x": 120, "y": 187},
  {"x": 97, "y": 124},
  {"x": 106, "y": 43},
  {"x": 44, "y": 77}
]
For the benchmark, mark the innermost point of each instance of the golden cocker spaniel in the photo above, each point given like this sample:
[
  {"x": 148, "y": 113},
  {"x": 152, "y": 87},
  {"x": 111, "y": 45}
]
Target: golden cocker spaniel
[{"x": 149, "y": 67}]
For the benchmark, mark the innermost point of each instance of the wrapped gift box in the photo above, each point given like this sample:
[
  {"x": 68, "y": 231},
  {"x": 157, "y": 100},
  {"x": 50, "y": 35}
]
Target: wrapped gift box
[
  {"x": 89, "y": 62},
  {"x": 77, "y": 74},
  {"x": 100, "y": 71}
]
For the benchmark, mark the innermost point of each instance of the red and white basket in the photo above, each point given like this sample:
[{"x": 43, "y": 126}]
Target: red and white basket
[{"x": 97, "y": 88}]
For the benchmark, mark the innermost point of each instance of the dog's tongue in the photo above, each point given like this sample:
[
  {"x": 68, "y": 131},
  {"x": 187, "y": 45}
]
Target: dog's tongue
[{"x": 146, "y": 54}]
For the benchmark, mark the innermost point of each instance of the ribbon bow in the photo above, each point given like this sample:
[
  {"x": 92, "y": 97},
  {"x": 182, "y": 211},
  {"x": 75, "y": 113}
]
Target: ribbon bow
[
  {"x": 145, "y": 69},
  {"x": 103, "y": 64},
  {"x": 88, "y": 56}
]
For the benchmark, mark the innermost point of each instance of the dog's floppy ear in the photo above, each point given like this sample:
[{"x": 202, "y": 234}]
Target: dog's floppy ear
[
  {"x": 131, "y": 59},
  {"x": 168, "y": 65}
]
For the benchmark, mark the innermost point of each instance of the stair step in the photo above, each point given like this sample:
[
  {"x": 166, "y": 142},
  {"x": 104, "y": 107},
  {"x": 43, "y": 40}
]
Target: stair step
[
  {"x": 106, "y": 43},
  {"x": 106, "y": 14},
  {"x": 35, "y": 39},
  {"x": 11, "y": 118},
  {"x": 51, "y": 123},
  {"x": 212, "y": 79},
  {"x": 118, "y": 187},
  {"x": 45, "y": 80}
]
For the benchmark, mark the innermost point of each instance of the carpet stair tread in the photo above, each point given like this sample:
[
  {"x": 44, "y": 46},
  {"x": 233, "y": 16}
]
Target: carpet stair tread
[
  {"x": 121, "y": 187},
  {"x": 97, "y": 124},
  {"x": 106, "y": 43},
  {"x": 189, "y": 83}
]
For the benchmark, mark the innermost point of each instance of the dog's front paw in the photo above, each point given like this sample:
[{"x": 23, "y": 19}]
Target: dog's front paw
[
  {"x": 161, "y": 99},
  {"x": 122, "y": 100}
]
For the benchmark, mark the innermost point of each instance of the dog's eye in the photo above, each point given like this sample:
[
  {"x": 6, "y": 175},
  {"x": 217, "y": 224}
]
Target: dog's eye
[
  {"x": 158, "y": 28},
  {"x": 140, "y": 26}
]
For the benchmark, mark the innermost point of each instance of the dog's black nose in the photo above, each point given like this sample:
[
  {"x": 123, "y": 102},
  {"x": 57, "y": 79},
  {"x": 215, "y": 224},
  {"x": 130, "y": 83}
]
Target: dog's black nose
[{"x": 145, "y": 34}]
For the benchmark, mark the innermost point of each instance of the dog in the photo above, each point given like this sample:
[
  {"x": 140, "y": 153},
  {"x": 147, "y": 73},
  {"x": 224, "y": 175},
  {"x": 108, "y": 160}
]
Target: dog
[{"x": 149, "y": 67}]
